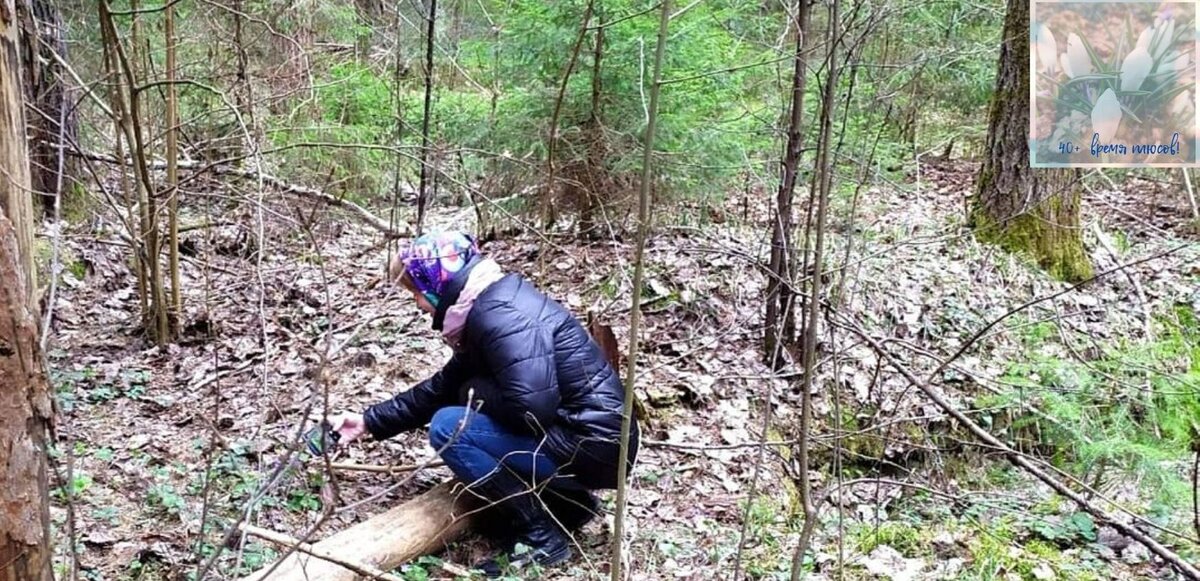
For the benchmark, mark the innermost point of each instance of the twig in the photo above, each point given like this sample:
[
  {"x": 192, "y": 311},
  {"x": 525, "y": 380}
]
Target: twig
[
  {"x": 282, "y": 539},
  {"x": 660, "y": 443},
  {"x": 1196, "y": 490},
  {"x": 1137, "y": 286},
  {"x": 644, "y": 217},
  {"x": 426, "y": 464},
  {"x": 754, "y": 478},
  {"x": 377, "y": 468},
  {"x": 220, "y": 374}
]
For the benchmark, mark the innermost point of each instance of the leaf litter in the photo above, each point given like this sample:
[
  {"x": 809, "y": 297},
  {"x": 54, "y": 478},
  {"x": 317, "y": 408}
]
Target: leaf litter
[{"x": 231, "y": 392}]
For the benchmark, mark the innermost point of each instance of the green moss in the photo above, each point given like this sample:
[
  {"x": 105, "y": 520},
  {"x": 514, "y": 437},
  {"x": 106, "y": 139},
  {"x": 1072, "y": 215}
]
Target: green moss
[
  {"x": 902, "y": 536},
  {"x": 1059, "y": 251},
  {"x": 77, "y": 205},
  {"x": 861, "y": 445},
  {"x": 792, "y": 501}
]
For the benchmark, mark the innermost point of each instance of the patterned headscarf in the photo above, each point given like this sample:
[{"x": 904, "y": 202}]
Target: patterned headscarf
[{"x": 433, "y": 259}]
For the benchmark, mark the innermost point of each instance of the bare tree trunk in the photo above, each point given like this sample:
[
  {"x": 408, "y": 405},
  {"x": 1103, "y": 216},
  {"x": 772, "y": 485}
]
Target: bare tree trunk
[
  {"x": 25, "y": 416},
  {"x": 49, "y": 117},
  {"x": 240, "y": 96},
  {"x": 398, "y": 134},
  {"x": 16, "y": 200},
  {"x": 157, "y": 323},
  {"x": 368, "y": 16},
  {"x": 422, "y": 191},
  {"x": 593, "y": 131},
  {"x": 824, "y": 168},
  {"x": 780, "y": 318},
  {"x": 25, "y": 410},
  {"x": 173, "y": 169},
  {"x": 127, "y": 189},
  {"x": 1017, "y": 207},
  {"x": 242, "y": 90},
  {"x": 635, "y": 313}
]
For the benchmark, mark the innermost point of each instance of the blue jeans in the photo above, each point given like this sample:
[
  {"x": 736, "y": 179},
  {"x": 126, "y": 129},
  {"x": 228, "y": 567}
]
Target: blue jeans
[
  {"x": 502, "y": 468},
  {"x": 482, "y": 450}
]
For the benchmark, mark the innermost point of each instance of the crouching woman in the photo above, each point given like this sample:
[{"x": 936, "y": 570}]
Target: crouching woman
[{"x": 527, "y": 411}]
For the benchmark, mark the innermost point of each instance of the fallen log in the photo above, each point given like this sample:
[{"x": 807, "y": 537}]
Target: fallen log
[
  {"x": 282, "y": 539},
  {"x": 418, "y": 527}
]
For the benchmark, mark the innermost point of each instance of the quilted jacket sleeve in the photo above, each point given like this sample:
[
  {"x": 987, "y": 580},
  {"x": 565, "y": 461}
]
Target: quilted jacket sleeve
[
  {"x": 519, "y": 353},
  {"x": 413, "y": 408}
]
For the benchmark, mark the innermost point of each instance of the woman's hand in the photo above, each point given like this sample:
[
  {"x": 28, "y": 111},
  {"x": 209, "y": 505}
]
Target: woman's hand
[{"x": 349, "y": 426}]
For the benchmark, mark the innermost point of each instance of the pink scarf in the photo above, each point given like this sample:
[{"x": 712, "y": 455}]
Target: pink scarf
[{"x": 478, "y": 280}]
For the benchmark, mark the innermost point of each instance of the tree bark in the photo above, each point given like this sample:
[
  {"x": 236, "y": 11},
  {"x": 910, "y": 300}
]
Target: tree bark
[
  {"x": 1021, "y": 209},
  {"x": 49, "y": 116},
  {"x": 780, "y": 315},
  {"x": 385, "y": 541},
  {"x": 423, "y": 193},
  {"x": 173, "y": 172},
  {"x": 25, "y": 410},
  {"x": 16, "y": 199}
]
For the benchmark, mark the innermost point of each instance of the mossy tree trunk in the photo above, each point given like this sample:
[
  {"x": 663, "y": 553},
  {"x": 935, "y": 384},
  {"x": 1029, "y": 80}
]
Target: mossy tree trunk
[{"x": 1019, "y": 208}]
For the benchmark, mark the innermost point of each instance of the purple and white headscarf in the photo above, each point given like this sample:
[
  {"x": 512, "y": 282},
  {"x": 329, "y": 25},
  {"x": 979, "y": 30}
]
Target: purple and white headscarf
[{"x": 433, "y": 259}]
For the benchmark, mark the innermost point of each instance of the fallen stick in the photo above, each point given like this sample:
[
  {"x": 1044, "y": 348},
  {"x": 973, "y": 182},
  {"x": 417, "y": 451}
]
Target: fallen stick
[
  {"x": 1188, "y": 570},
  {"x": 418, "y": 527},
  {"x": 377, "y": 468},
  {"x": 226, "y": 372},
  {"x": 287, "y": 541}
]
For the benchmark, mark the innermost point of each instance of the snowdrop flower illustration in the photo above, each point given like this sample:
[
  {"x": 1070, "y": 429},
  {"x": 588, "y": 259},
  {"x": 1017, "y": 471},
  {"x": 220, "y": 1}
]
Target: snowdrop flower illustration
[
  {"x": 1106, "y": 115},
  {"x": 1076, "y": 62},
  {"x": 1047, "y": 50},
  {"x": 1135, "y": 68},
  {"x": 1157, "y": 38},
  {"x": 1182, "y": 104},
  {"x": 1174, "y": 61}
]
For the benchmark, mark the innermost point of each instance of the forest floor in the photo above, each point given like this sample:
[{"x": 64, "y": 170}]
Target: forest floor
[{"x": 153, "y": 432}]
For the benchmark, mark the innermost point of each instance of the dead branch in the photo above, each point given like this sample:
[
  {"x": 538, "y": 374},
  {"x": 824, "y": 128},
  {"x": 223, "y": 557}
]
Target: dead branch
[
  {"x": 362, "y": 213},
  {"x": 380, "y": 469}
]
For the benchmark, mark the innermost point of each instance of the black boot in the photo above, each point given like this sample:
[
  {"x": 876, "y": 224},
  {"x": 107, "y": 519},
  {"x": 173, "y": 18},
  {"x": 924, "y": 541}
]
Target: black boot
[
  {"x": 572, "y": 507},
  {"x": 545, "y": 543}
]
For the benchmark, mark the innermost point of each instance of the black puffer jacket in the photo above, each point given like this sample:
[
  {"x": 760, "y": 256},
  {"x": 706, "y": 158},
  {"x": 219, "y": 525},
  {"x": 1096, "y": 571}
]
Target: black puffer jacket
[{"x": 550, "y": 380}]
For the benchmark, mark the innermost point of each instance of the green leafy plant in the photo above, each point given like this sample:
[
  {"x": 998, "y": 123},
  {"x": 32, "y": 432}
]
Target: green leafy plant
[{"x": 79, "y": 484}]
